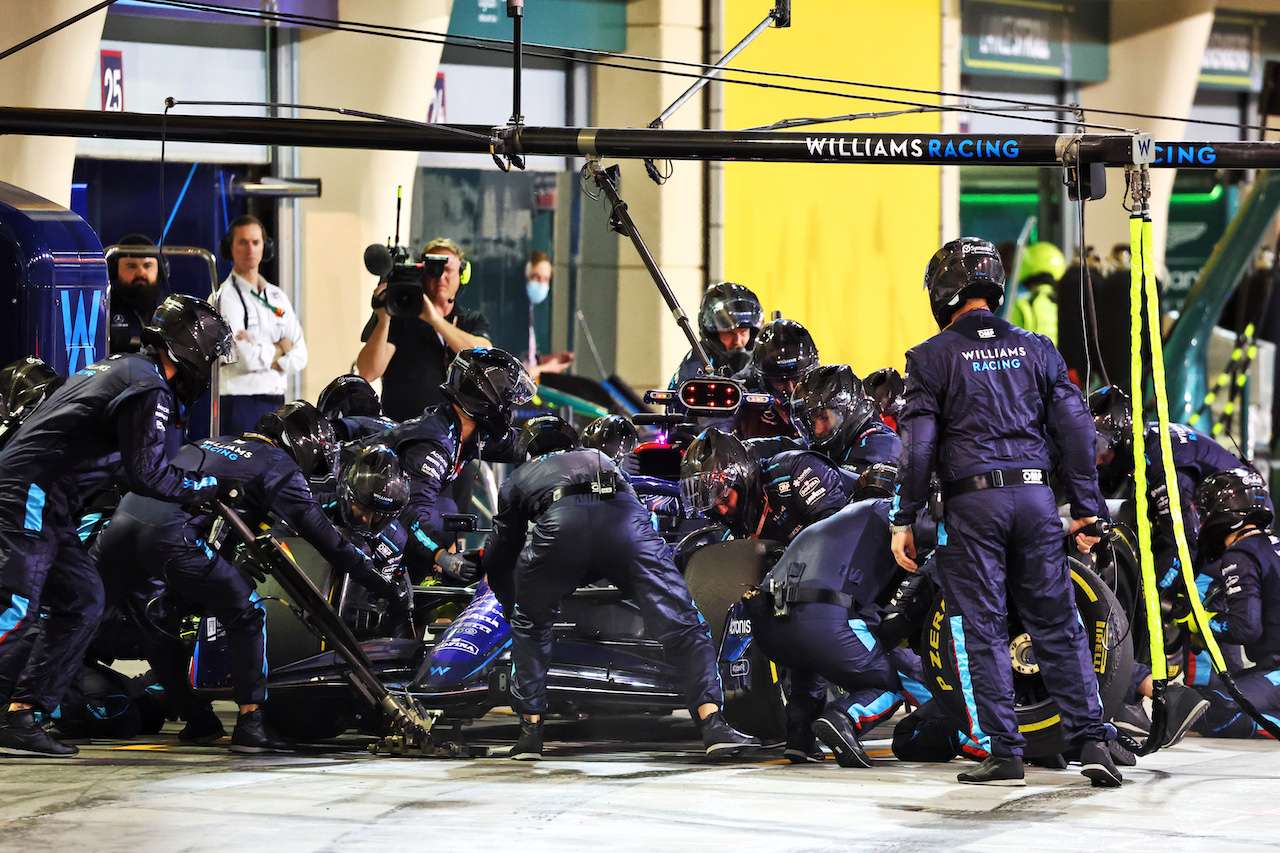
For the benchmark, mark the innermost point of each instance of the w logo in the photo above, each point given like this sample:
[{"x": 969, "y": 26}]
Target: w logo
[
  {"x": 440, "y": 670},
  {"x": 80, "y": 332}
]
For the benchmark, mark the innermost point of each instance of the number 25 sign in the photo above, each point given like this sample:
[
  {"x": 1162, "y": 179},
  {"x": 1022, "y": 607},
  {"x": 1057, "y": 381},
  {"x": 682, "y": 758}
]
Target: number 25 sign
[{"x": 112, "y": 81}]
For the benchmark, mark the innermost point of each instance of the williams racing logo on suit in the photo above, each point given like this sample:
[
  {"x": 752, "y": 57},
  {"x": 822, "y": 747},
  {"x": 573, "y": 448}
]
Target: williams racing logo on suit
[{"x": 997, "y": 358}]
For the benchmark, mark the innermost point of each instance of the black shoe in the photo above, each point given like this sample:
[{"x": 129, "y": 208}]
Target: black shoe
[
  {"x": 20, "y": 735},
  {"x": 1120, "y": 755},
  {"x": 202, "y": 727},
  {"x": 836, "y": 732},
  {"x": 1097, "y": 764},
  {"x": 997, "y": 770},
  {"x": 252, "y": 734},
  {"x": 721, "y": 739},
  {"x": 1182, "y": 707},
  {"x": 802, "y": 748},
  {"x": 528, "y": 746},
  {"x": 1133, "y": 721}
]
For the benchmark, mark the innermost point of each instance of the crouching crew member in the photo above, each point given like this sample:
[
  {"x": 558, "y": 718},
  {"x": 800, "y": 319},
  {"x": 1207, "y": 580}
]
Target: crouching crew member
[
  {"x": 836, "y": 417},
  {"x": 1236, "y": 514},
  {"x": 586, "y": 522},
  {"x": 483, "y": 388},
  {"x": 806, "y": 618},
  {"x": 120, "y": 405},
  {"x": 989, "y": 407},
  {"x": 774, "y": 500},
  {"x": 173, "y": 543}
]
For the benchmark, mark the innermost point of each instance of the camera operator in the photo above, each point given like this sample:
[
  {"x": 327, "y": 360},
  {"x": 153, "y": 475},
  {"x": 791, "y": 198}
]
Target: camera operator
[{"x": 410, "y": 354}]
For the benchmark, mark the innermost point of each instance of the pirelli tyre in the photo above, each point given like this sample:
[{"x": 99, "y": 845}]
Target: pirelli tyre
[{"x": 1110, "y": 641}]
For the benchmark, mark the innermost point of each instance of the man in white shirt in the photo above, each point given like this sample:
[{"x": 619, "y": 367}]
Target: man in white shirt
[{"x": 267, "y": 332}]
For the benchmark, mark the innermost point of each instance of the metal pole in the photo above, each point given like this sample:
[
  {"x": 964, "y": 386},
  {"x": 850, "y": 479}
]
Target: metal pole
[
  {"x": 714, "y": 71},
  {"x": 515, "y": 11},
  {"x": 622, "y": 223}
]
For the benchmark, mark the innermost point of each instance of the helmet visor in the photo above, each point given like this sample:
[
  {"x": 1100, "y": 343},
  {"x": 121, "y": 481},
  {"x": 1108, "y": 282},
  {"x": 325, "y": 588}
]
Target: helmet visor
[
  {"x": 707, "y": 489},
  {"x": 226, "y": 352},
  {"x": 732, "y": 314}
]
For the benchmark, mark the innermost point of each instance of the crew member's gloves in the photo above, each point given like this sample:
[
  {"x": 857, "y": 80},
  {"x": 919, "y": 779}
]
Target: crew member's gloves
[
  {"x": 394, "y": 598},
  {"x": 230, "y": 491},
  {"x": 462, "y": 567}
]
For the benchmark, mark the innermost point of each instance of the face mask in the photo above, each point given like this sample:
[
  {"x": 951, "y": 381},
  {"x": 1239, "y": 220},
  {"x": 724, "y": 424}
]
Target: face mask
[{"x": 537, "y": 290}]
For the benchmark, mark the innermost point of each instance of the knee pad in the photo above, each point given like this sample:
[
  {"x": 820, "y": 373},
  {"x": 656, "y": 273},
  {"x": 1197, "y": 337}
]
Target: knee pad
[{"x": 919, "y": 739}]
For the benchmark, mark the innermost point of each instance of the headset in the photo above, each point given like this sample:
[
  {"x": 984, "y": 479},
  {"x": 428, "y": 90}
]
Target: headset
[
  {"x": 113, "y": 270},
  {"x": 445, "y": 244},
  {"x": 268, "y": 244}
]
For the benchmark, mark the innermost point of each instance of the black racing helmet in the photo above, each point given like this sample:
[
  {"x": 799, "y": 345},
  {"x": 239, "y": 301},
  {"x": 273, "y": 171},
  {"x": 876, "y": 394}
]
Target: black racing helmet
[
  {"x": 545, "y": 434},
  {"x": 372, "y": 489},
  {"x": 25, "y": 383},
  {"x": 1229, "y": 500},
  {"x": 192, "y": 334},
  {"x": 964, "y": 269},
  {"x": 300, "y": 430},
  {"x": 1112, "y": 413},
  {"x": 349, "y": 395},
  {"x": 829, "y": 408},
  {"x": 783, "y": 353},
  {"x": 886, "y": 386},
  {"x": 878, "y": 481},
  {"x": 715, "y": 464},
  {"x": 612, "y": 435},
  {"x": 488, "y": 385},
  {"x": 727, "y": 306}
]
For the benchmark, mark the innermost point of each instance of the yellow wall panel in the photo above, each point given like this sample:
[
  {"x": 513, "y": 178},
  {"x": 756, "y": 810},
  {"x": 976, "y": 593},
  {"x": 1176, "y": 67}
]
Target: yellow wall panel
[{"x": 841, "y": 248}]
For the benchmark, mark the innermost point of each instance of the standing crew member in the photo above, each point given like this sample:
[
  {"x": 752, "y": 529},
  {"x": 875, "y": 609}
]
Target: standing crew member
[
  {"x": 1039, "y": 272},
  {"x": 729, "y": 319},
  {"x": 268, "y": 334},
  {"x": 989, "y": 407},
  {"x": 586, "y": 523},
  {"x": 110, "y": 415}
]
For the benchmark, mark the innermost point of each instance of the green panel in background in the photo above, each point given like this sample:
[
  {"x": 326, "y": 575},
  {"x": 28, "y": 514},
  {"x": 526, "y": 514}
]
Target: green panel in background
[
  {"x": 587, "y": 24},
  {"x": 1197, "y": 220},
  {"x": 998, "y": 216}
]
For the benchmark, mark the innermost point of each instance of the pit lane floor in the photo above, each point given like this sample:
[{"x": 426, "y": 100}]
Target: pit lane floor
[{"x": 633, "y": 784}]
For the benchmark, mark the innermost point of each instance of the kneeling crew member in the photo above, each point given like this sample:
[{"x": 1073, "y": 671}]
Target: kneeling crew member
[
  {"x": 807, "y": 621},
  {"x": 989, "y": 407},
  {"x": 172, "y": 542},
  {"x": 586, "y": 523},
  {"x": 1236, "y": 516},
  {"x": 112, "y": 413}
]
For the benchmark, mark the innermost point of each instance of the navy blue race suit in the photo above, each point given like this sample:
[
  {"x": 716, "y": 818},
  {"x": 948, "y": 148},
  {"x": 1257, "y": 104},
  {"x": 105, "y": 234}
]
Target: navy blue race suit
[
  {"x": 358, "y": 427},
  {"x": 985, "y": 396},
  {"x": 1249, "y": 617},
  {"x": 1195, "y": 457},
  {"x": 799, "y": 488},
  {"x": 841, "y": 565},
  {"x": 110, "y": 418},
  {"x": 150, "y": 538},
  {"x": 432, "y": 454},
  {"x": 876, "y": 443},
  {"x": 579, "y": 536}
]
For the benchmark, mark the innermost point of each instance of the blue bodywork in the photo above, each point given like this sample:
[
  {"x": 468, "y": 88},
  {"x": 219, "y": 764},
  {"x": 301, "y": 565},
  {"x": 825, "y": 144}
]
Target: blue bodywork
[{"x": 53, "y": 284}]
